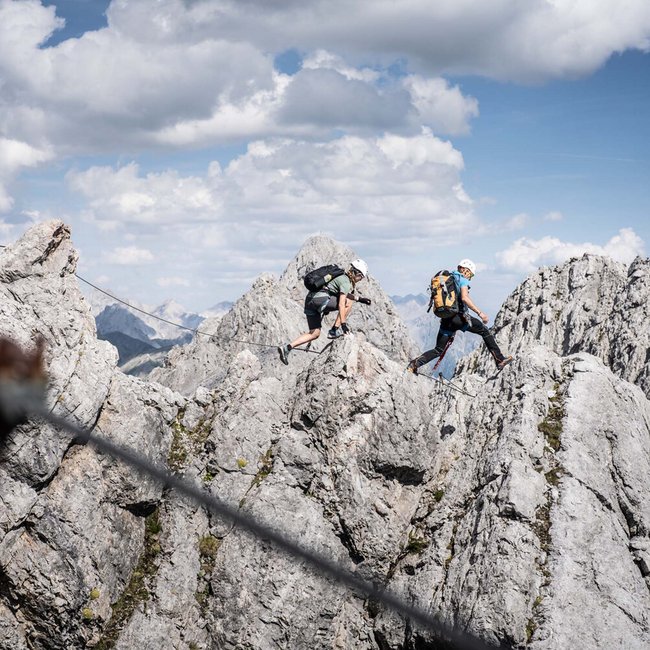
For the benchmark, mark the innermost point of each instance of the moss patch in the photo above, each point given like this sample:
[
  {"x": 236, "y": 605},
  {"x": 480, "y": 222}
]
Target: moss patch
[
  {"x": 186, "y": 441},
  {"x": 532, "y": 623},
  {"x": 265, "y": 466},
  {"x": 553, "y": 477},
  {"x": 178, "y": 451},
  {"x": 417, "y": 543},
  {"x": 551, "y": 426},
  {"x": 530, "y": 629},
  {"x": 137, "y": 590},
  {"x": 208, "y": 548},
  {"x": 452, "y": 543}
]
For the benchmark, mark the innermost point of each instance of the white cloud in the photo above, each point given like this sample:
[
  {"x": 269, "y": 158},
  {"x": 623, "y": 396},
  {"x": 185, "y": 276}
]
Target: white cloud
[
  {"x": 509, "y": 224},
  {"x": 441, "y": 106},
  {"x": 6, "y": 231},
  {"x": 120, "y": 84},
  {"x": 321, "y": 59},
  {"x": 177, "y": 73},
  {"x": 517, "y": 222},
  {"x": 14, "y": 156},
  {"x": 326, "y": 98},
  {"x": 625, "y": 246},
  {"x": 129, "y": 256},
  {"x": 123, "y": 195},
  {"x": 553, "y": 216},
  {"x": 526, "y": 255},
  {"x": 172, "y": 282},
  {"x": 399, "y": 187},
  {"x": 179, "y": 78},
  {"x": 182, "y": 73},
  {"x": 508, "y": 39}
]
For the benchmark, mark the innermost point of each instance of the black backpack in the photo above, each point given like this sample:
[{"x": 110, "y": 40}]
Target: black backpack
[
  {"x": 445, "y": 296},
  {"x": 315, "y": 280}
]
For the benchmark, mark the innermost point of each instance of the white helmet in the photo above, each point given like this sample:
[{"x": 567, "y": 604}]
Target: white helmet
[
  {"x": 361, "y": 266},
  {"x": 469, "y": 265}
]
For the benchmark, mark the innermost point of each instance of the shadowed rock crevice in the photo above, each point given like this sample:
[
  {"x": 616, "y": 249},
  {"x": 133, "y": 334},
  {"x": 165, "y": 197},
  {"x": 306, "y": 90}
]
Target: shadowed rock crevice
[{"x": 401, "y": 473}]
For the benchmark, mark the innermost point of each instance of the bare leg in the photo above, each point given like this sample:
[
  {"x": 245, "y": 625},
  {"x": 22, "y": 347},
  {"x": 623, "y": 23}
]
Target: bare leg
[{"x": 306, "y": 338}]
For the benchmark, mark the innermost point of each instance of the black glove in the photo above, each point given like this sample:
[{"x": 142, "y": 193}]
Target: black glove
[
  {"x": 345, "y": 328},
  {"x": 364, "y": 301}
]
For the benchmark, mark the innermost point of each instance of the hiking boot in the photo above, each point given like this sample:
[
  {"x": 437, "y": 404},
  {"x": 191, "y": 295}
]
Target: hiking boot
[
  {"x": 504, "y": 362},
  {"x": 412, "y": 368},
  {"x": 334, "y": 333},
  {"x": 283, "y": 351}
]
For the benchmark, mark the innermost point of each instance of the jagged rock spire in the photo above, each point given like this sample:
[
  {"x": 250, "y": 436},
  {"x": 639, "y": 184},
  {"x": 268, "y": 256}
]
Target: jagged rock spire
[{"x": 271, "y": 313}]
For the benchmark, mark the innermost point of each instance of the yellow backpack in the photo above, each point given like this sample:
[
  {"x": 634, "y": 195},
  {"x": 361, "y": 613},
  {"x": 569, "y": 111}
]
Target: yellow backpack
[{"x": 445, "y": 296}]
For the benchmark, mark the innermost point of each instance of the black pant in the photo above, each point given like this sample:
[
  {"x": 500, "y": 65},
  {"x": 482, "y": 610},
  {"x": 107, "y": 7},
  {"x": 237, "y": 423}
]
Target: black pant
[{"x": 448, "y": 327}]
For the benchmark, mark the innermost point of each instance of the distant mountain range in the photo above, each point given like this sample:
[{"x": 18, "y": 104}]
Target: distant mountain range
[{"x": 143, "y": 342}]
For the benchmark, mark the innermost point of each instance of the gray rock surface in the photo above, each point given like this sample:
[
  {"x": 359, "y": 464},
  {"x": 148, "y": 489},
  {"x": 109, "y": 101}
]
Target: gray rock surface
[
  {"x": 71, "y": 521},
  {"x": 519, "y": 514},
  {"x": 589, "y": 304}
]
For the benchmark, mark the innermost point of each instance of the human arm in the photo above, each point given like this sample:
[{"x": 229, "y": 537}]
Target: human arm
[
  {"x": 361, "y": 299},
  {"x": 467, "y": 301},
  {"x": 342, "y": 309}
]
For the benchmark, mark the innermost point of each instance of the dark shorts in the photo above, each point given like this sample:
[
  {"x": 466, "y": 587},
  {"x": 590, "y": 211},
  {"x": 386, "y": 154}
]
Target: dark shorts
[{"x": 316, "y": 306}]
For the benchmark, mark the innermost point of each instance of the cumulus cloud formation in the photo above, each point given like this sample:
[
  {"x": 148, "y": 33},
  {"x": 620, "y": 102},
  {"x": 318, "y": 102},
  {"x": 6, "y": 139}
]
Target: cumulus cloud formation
[
  {"x": 398, "y": 186},
  {"x": 352, "y": 142},
  {"x": 526, "y": 255},
  {"x": 123, "y": 195},
  {"x": 176, "y": 72},
  {"x": 168, "y": 72},
  {"x": 129, "y": 256},
  {"x": 440, "y": 105},
  {"x": 14, "y": 156},
  {"x": 508, "y": 40}
]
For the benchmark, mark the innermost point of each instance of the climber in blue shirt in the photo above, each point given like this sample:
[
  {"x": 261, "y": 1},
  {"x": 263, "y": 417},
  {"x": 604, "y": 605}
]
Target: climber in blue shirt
[{"x": 462, "y": 321}]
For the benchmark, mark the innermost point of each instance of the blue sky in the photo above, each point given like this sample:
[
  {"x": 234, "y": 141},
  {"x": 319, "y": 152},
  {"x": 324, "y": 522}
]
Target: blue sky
[{"x": 193, "y": 146}]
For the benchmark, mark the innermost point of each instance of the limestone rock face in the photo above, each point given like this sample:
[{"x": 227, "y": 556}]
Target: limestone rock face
[
  {"x": 516, "y": 509},
  {"x": 71, "y": 521},
  {"x": 589, "y": 304}
]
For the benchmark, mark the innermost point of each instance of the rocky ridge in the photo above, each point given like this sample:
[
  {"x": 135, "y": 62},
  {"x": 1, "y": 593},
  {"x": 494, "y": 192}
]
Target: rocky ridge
[
  {"x": 518, "y": 514},
  {"x": 272, "y": 312}
]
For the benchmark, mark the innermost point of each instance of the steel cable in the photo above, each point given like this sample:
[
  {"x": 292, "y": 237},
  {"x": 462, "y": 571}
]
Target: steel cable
[{"x": 19, "y": 399}]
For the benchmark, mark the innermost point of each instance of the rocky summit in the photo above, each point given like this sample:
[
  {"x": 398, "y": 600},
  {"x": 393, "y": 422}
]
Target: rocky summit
[{"x": 517, "y": 510}]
